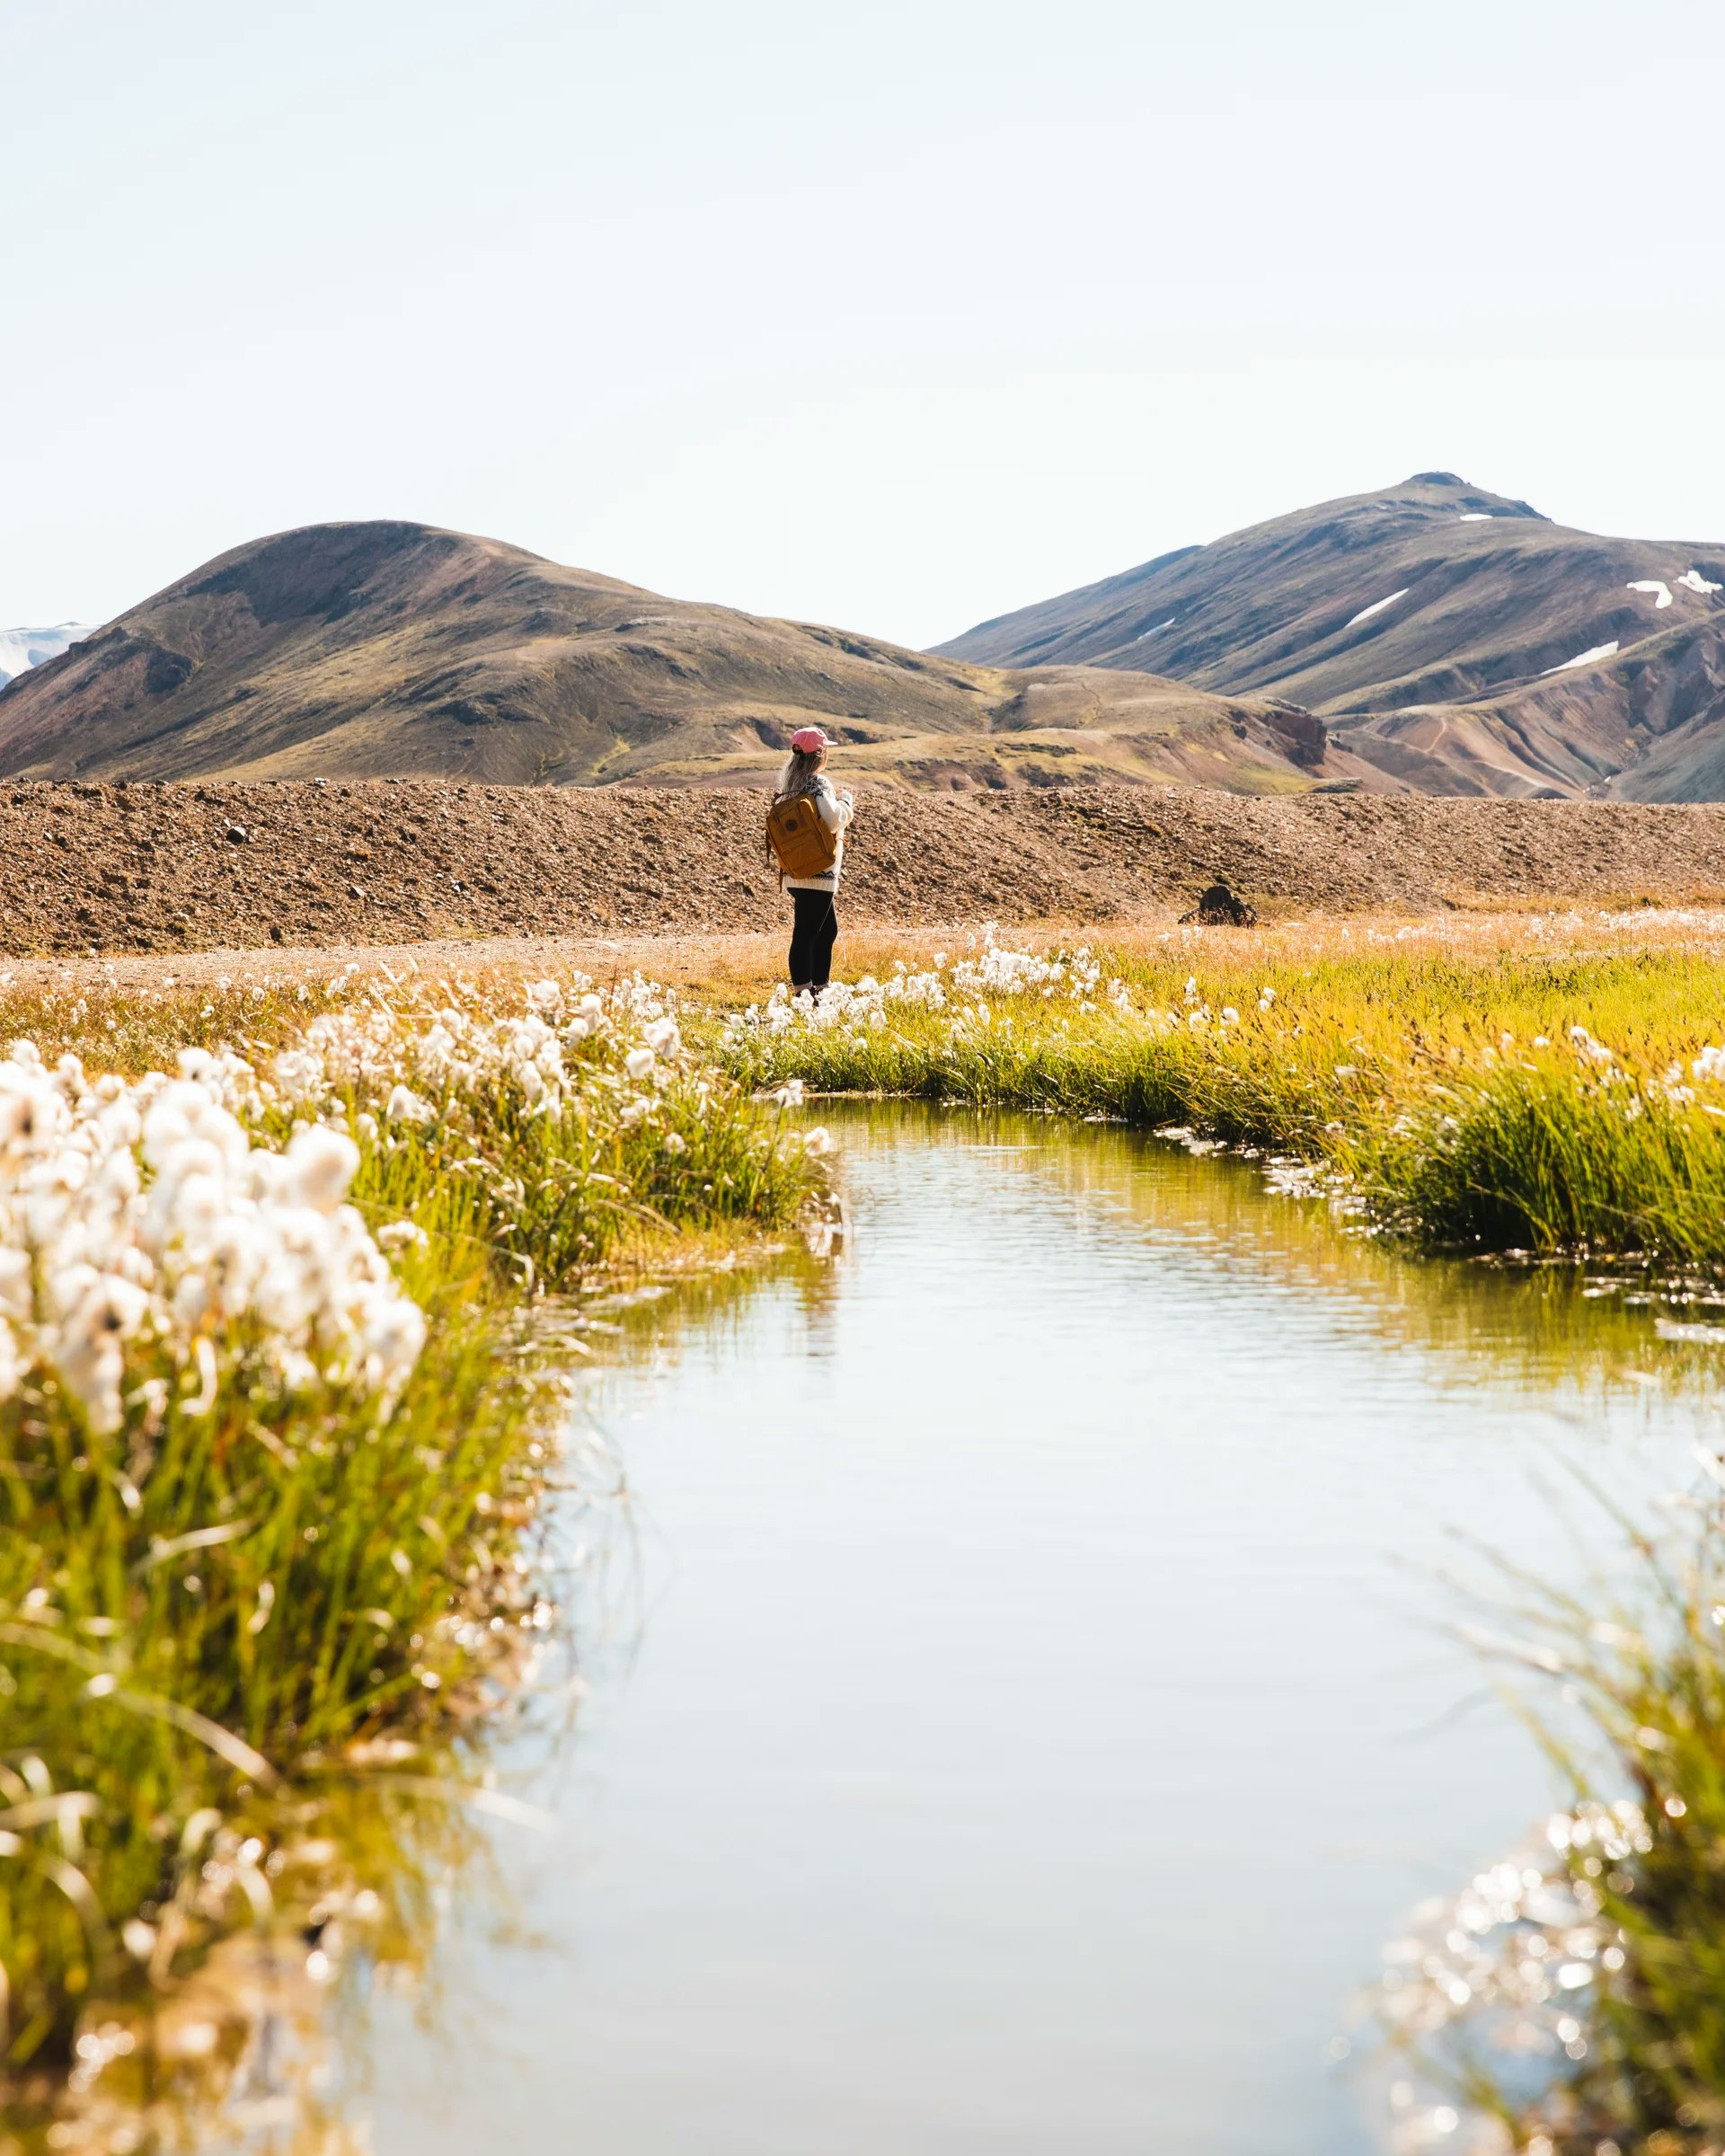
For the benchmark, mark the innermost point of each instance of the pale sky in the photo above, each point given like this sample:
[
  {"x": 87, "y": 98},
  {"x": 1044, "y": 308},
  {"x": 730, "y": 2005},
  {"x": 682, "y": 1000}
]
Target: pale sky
[{"x": 893, "y": 316}]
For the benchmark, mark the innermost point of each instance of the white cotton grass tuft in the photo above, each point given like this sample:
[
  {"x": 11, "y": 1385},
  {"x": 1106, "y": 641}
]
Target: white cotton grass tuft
[
  {"x": 546, "y": 1108},
  {"x": 405, "y": 1105},
  {"x": 415, "y": 1062},
  {"x": 960, "y": 988},
  {"x": 1707, "y": 1068},
  {"x": 209, "y": 1335},
  {"x": 141, "y": 1219}
]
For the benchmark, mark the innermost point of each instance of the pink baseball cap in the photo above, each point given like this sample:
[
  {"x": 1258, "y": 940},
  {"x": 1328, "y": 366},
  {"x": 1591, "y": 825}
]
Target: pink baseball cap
[{"x": 809, "y": 739}]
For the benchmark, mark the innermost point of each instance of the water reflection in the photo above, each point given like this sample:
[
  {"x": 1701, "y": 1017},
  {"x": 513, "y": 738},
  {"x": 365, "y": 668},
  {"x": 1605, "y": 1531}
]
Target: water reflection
[
  {"x": 1036, "y": 1719},
  {"x": 259, "y": 2048},
  {"x": 1016, "y": 1716},
  {"x": 1546, "y": 1325}
]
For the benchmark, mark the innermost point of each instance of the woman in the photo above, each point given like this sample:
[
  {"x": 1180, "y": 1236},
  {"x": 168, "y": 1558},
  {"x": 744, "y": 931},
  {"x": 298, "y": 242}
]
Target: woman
[{"x": 815, "y": 927}]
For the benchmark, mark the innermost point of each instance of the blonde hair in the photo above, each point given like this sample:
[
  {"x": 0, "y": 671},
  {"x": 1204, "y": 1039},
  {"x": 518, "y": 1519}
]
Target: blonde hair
[{"x": 801, "y": 769}]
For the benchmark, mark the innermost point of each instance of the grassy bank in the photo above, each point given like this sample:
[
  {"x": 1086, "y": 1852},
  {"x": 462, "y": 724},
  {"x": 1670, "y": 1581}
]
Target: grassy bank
[
  {"x": 1574, "y": 1994},
  {"x": 274, "y": 1441},
  {"x": 1544, "y": 1093}
]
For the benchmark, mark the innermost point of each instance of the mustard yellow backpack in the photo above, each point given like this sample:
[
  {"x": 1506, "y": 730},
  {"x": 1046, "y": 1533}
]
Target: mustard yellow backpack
[{"x": 797, "y": 839}]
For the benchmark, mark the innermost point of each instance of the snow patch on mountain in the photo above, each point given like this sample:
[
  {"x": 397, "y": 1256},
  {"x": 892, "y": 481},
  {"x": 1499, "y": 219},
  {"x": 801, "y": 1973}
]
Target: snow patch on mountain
[
  {"x": 1377, "y": 607},
  {"x": 1585, "y": 658},
  {"x": 22, "y": 649}
]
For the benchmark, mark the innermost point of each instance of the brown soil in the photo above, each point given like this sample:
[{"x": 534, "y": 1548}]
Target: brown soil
[{"x": 147, "y": 868}]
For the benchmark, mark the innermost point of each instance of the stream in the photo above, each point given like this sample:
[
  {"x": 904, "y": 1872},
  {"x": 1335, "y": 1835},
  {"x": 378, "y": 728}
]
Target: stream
[{"x": 1023, "y": 1705}]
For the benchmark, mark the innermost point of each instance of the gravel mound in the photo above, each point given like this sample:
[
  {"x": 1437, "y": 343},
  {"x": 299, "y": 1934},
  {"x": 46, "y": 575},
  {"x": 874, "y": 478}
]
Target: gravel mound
[{"x": 162, "y": 867}]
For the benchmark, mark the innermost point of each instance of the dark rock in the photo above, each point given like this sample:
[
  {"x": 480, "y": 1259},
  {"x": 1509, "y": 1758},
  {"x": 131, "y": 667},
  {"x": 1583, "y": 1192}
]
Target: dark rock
[{"x": 1217, "y": 907}]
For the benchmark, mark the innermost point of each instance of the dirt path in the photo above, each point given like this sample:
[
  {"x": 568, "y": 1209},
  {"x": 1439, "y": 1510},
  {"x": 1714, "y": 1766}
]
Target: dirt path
[{"x": 158, "y": 868}]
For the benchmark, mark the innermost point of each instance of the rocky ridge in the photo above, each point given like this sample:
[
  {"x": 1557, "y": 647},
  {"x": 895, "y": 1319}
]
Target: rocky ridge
[{"x": 1452, "y": 639}]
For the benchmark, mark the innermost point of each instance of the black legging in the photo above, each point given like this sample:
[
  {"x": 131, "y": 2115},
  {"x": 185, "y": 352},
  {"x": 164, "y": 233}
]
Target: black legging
[{"x": 813, "y": 932}]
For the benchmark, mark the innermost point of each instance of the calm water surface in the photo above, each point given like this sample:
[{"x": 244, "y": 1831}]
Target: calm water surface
[{"x": 1031, "y": 1711}]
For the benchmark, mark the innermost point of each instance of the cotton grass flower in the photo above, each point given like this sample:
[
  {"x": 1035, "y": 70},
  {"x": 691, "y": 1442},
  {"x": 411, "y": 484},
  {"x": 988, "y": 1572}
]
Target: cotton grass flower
[
  {"x": 961, "y": 987},
  {"x": 143, "y": 1220},
  {"x": 405, "y": 1105},
  {"x": 255, "y": 1503},
  {"x": 548, "y": 1108}
]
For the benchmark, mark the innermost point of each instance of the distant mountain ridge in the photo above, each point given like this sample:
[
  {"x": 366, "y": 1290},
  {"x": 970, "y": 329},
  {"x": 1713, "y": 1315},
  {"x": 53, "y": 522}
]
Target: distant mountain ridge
[
  {"x": 1454, "y": 640},
  {"x": 22, "y": 649},
  {"x": 399, "y": 650}
]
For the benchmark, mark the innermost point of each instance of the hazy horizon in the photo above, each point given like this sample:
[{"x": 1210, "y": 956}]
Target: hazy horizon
[{"x": 899, "y": 321}]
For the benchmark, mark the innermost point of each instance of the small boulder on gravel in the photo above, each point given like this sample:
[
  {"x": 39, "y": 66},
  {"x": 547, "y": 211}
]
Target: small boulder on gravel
[{"x": 1217, "y": 907}]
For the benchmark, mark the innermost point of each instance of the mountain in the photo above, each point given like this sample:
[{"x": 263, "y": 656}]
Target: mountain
[
  {"x": 386, "y": 650},
  {"x": 1455, "y": 640},
  {"x": 20, "y": 648}
]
